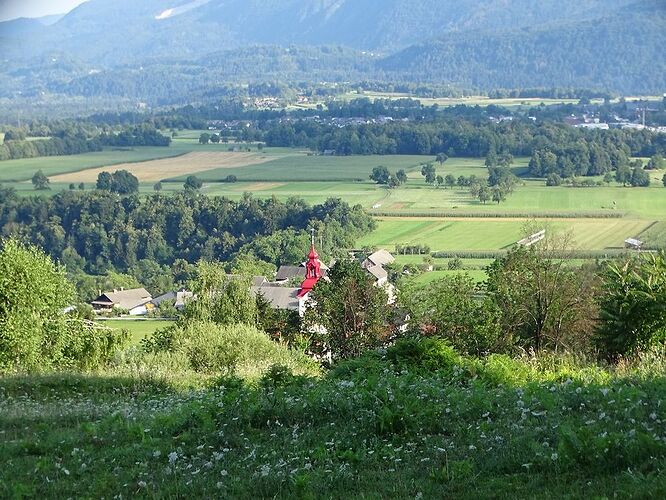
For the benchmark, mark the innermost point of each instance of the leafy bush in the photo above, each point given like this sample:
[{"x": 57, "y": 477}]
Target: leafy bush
[
  {"x": 450, "y": 309},
  {"x": 35, "y": 332},
  {"x": 212, "y": 348},
  {"x": 424, "y": 354},
  {"x": 633, "y": 305}
]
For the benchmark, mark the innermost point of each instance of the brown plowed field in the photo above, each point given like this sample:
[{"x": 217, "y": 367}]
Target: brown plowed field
[{"x": 156, "y": 170}]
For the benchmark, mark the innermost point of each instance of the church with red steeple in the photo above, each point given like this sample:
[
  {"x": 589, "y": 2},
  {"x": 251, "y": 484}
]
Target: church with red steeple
[{"x": 312, "y": 270}]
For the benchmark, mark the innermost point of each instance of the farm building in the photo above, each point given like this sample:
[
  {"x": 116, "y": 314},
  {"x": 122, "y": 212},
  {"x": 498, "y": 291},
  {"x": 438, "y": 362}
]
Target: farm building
[
  {"x": 136, "y": 301},
  {"x": 281, "y": 297},
  {"x": 378, "y": 273},
  {"x": 633, "y": 243},
  {"x": 379, "y": 258}
]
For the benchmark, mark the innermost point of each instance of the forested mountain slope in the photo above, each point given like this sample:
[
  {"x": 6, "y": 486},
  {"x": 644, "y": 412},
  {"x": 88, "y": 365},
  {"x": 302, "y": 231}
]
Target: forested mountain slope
[
  {"x": 623, "y": 51},
  {"x": 612, "y": 44}
]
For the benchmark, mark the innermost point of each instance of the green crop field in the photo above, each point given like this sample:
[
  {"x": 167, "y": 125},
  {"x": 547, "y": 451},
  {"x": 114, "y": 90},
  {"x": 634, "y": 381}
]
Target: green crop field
[
  {"x": 301, "y": 167},
  {"x": 496, "y": 234}
]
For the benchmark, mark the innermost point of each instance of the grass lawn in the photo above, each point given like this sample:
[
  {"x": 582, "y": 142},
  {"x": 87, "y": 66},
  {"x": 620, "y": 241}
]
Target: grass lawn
[
  {"x": 477, "y": 275},
  {"x": 139, "y": 329}
]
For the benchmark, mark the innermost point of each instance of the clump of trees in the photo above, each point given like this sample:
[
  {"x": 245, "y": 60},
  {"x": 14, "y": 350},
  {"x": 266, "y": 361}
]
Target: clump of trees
[
  {"x": 121, "y": 182},
  {"x": 142, "y": 135},
  {"x": 35, "y": 331},
  {"x": 98, "y": 231},
  {"x": 40, "y": 182},
  {"x": 381, "y": 175}
]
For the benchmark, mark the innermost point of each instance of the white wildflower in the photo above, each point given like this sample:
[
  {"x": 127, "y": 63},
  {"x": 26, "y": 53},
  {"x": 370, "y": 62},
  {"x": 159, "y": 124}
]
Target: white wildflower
[{"x": 173, "y": 456}]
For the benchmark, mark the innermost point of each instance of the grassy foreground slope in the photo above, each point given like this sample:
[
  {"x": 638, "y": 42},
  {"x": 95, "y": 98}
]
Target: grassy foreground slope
[{"x": 431, "y": 426}]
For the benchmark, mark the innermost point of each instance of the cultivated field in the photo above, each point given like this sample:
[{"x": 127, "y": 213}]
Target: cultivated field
[
  {"x": 298, "y": 166},
  {"x": 487, "y": 234},
  {"x": 445, "y": 219},
  {"x": 156, "y": 170}
]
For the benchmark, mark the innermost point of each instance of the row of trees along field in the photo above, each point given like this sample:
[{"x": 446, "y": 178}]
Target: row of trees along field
[
  {"x": 66, "y": 142},
  {"x": 463, "y": 138}
]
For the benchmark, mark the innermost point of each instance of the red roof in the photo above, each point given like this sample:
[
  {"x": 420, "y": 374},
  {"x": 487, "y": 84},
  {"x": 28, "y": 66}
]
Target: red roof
[{"x": 312, "y": 272}]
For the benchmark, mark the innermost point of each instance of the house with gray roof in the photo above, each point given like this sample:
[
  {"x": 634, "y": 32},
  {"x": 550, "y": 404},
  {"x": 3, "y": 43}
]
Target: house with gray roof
[
  {"x": 379, "y": 258},
  {"x": 136, "y": 301},
  {"x": 281, "y": 297}
]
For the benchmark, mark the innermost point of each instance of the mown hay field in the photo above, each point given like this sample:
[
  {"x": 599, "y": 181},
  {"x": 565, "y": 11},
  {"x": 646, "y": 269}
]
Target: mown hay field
[{"x": 156, "y": 170}]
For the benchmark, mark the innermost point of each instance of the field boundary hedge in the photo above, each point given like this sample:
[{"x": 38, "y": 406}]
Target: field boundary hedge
[
  {"x": 494, "y": 254},
  {"x": 500, "y": 215}
]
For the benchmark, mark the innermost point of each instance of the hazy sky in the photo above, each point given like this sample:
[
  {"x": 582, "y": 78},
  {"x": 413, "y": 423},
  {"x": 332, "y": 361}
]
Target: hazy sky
[{"x": 10, "y": 9}]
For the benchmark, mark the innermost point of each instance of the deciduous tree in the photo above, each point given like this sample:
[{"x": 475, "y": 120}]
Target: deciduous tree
[
  {"x": 40, "y": 181},
  {"x": 349, "y": 312}
]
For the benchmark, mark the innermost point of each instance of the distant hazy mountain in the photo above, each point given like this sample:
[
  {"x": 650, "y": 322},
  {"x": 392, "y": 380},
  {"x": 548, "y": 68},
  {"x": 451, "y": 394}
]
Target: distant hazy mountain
[
  {"x": 624, "y": 51},
  {"x": 485, "y": 43}
]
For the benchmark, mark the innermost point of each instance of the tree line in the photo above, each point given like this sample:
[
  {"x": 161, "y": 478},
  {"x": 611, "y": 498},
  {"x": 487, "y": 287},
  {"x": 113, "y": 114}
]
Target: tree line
[
  {"x": 584, "y": 152},
  {"x": 77, "y": 140},
  {"x": 101, "y": 231}
]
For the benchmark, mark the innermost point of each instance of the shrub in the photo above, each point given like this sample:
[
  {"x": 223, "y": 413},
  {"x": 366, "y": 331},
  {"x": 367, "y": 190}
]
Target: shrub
[
  {"x": 229, "y": 349},
  {"x": 553, "y": 180},
  {"x": 424, "y": 355},
  {"x": 450, "y": 309},
  {"x": 633, "y": 310}
]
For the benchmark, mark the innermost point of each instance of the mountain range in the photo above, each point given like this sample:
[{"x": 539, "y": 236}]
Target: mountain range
[{"x": 615, "y": 45}]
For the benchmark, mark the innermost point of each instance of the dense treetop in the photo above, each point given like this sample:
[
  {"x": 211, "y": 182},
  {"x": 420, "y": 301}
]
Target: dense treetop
[{"x": 100, "y": 231}]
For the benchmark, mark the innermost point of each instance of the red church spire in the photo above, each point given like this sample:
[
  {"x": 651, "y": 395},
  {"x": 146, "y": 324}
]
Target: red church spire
[{"x": 312, "y": 269}]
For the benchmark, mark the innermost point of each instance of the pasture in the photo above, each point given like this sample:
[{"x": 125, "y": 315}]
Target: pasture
[{"x": 444, "y": 426}]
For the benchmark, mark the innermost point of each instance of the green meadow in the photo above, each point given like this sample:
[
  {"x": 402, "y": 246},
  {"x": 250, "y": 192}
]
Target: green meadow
[
  {"x": 301, "y": 167},
  {"x": 138, "y": 328}
]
